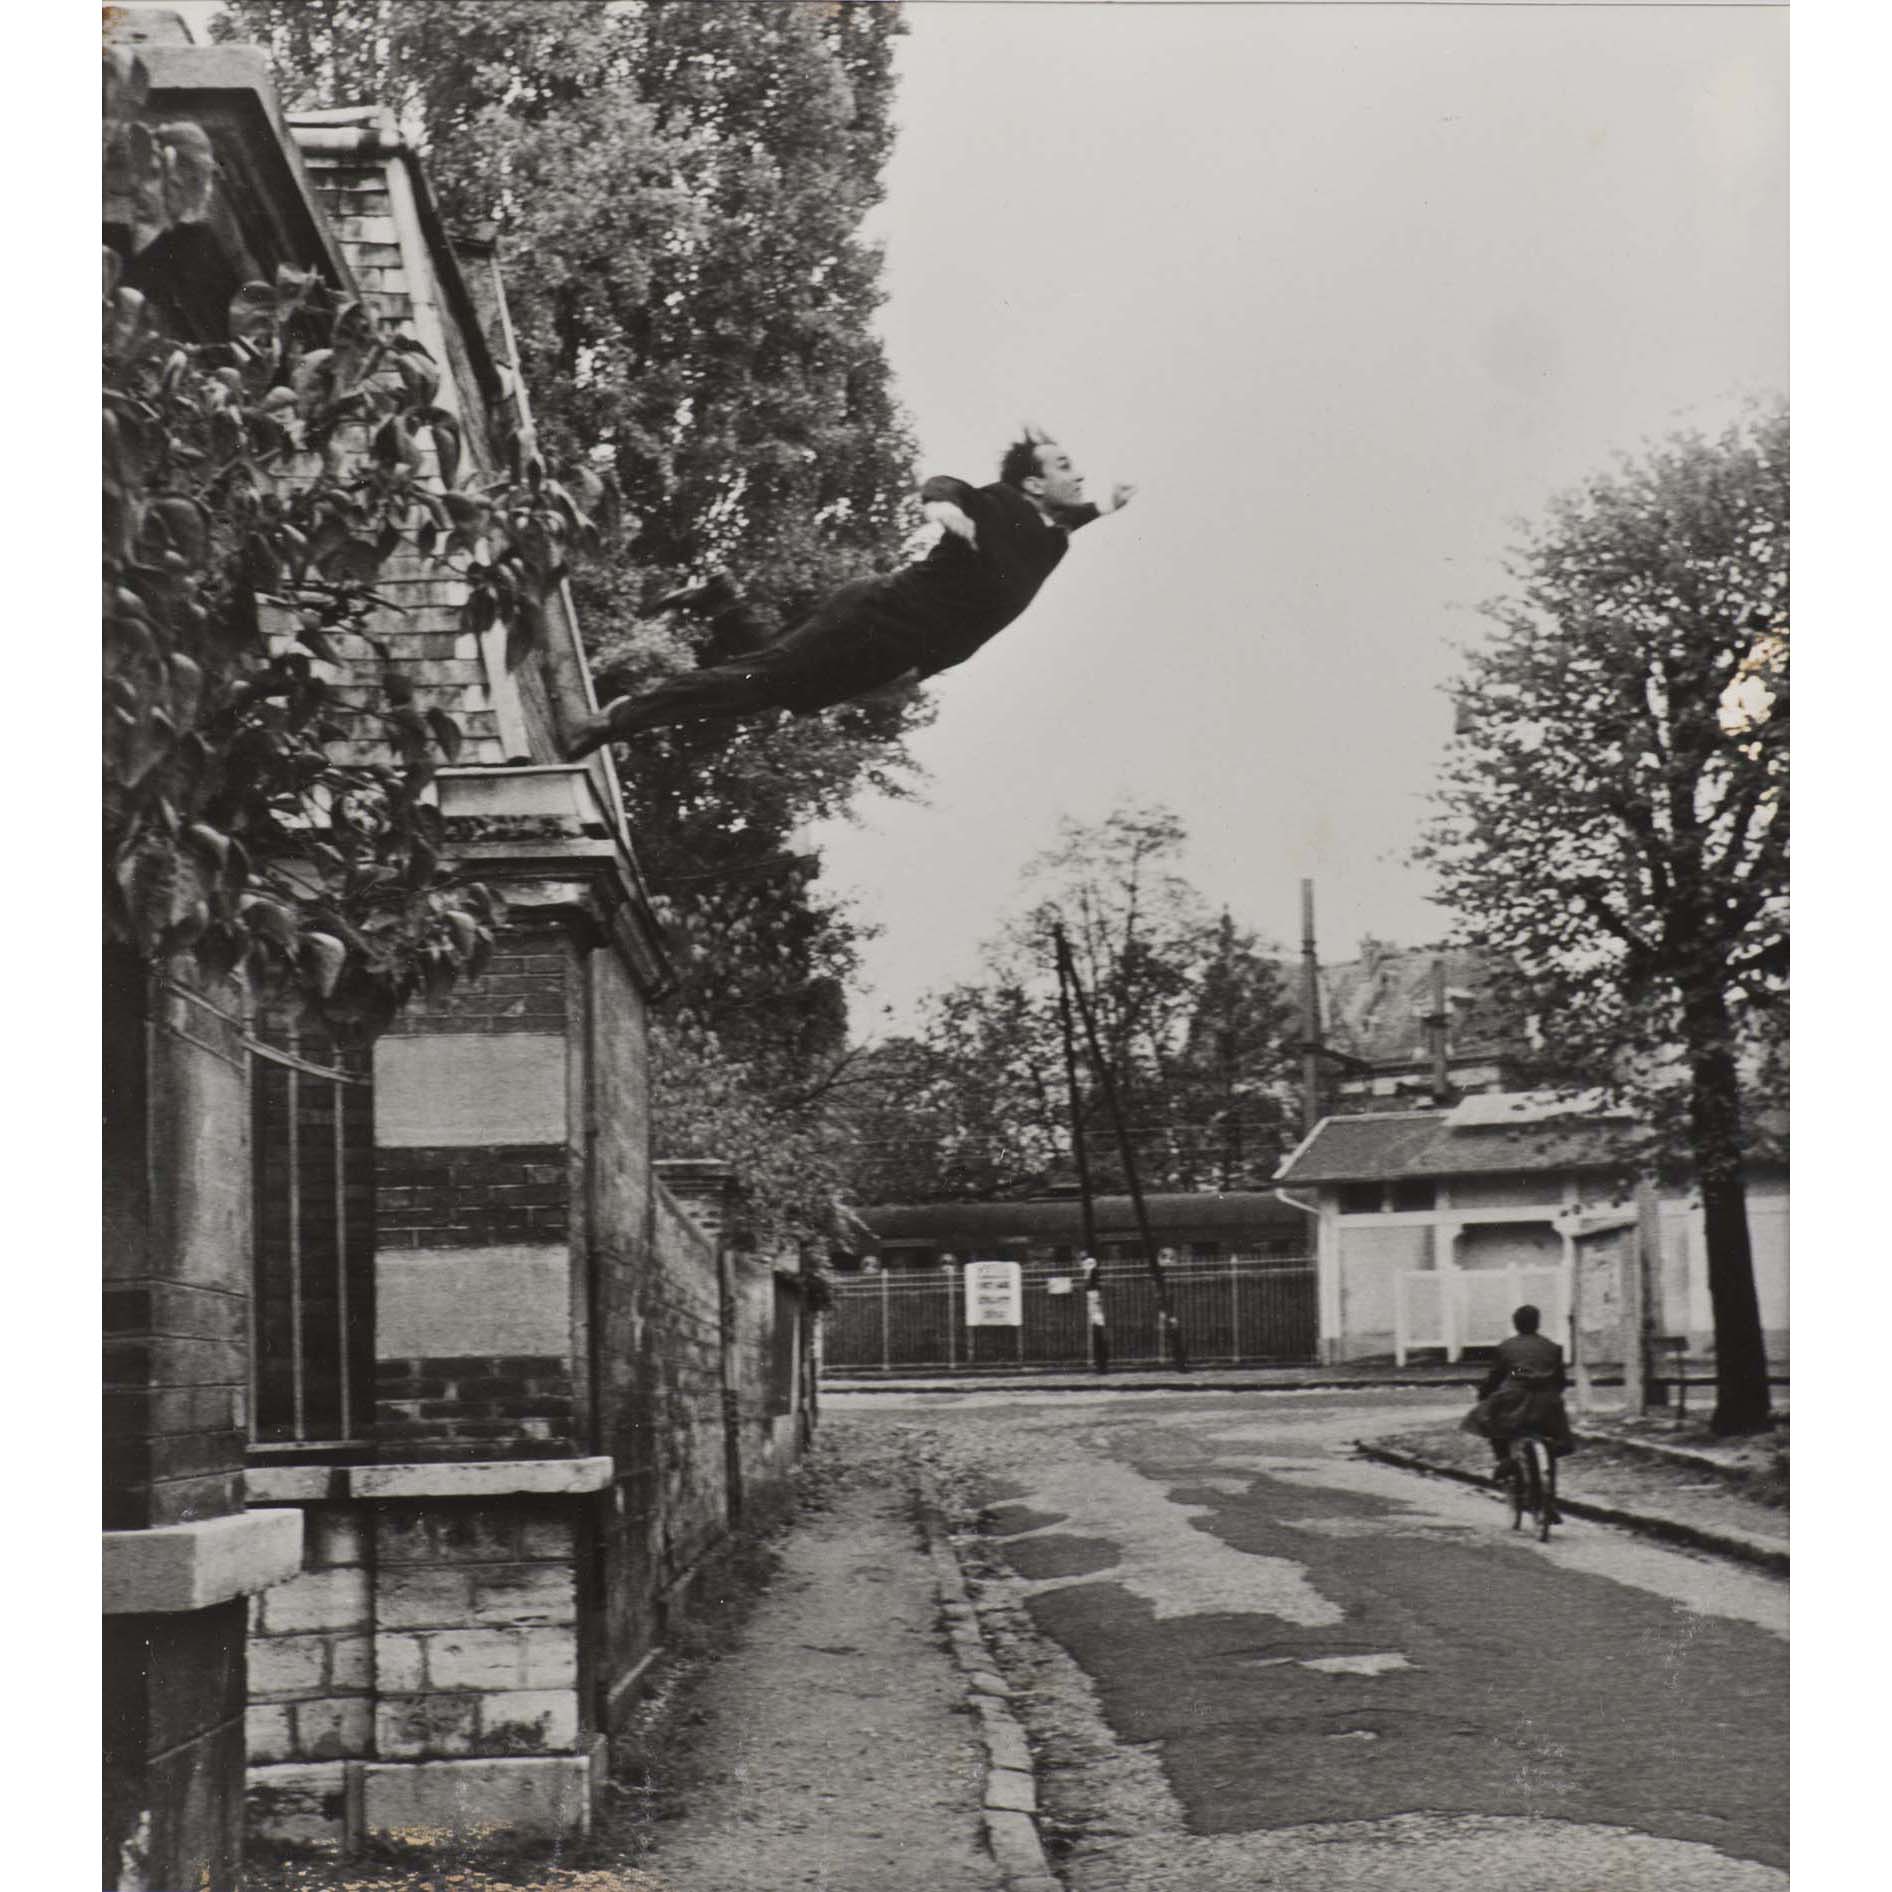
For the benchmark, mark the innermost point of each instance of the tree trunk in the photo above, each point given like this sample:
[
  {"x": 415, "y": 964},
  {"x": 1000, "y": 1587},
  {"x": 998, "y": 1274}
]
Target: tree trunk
[{"x": 1741, "y": 1397}]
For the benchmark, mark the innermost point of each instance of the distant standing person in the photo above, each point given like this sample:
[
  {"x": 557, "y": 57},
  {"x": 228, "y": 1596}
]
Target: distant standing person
[{"x": 1001, "y": 542}]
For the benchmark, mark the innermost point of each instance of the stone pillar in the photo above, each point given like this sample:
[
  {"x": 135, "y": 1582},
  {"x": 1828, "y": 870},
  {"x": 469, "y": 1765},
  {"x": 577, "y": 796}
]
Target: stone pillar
[{"x": 180, "y": 1552}]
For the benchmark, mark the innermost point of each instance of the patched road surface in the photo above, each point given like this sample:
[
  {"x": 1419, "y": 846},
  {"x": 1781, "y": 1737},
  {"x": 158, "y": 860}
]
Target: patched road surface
[{"x": 1256, "y": 1661}]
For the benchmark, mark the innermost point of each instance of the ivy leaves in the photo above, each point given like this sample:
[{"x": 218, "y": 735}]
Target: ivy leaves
[{"x": 265, "y": 817}]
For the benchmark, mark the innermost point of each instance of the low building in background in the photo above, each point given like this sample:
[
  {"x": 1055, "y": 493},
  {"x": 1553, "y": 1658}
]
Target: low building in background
[{"x": 1433, "y": 1224}]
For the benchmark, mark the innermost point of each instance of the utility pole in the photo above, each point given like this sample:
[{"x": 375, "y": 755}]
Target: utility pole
[
  {"x": 1437, "y": 1022},
  {"x": 1310, "y": 1015},
  {"x": 1166, "y": 1321},
  {"x": 1094, "y": 1310}
]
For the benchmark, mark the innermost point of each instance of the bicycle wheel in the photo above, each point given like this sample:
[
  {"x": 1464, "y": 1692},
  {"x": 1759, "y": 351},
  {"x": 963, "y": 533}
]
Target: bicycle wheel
[
  {"x": 1533, "y": 1495},
  {"x": 1514, "y": 1487}
]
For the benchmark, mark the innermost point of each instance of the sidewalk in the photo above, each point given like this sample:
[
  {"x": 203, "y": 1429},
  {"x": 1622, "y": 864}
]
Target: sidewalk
[
  {"x": 836, "y": 1747},
  {"x": 838, "y": 1729},
  {"x": 1646, "y": 1474},
  {"x": 1152, "y": 1379}
]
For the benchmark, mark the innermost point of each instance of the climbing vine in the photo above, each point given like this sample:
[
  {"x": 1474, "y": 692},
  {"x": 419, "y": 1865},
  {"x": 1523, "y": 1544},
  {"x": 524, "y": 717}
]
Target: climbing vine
[{"x": 267, "y": 812}]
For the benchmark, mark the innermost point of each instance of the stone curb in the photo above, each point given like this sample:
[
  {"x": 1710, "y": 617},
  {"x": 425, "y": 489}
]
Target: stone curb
[
  {"x": 1745, "y": 1550},
  {"x": 1008, "y": 1384},
  {"x": 1653, "y": 1451},
  {"x": 1011, "y": 1788}
]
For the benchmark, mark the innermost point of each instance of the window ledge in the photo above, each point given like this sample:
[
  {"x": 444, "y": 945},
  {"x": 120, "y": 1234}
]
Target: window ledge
[
  {"x": 176, "y": 1567},
  {"x": 482, "y": 1478}
]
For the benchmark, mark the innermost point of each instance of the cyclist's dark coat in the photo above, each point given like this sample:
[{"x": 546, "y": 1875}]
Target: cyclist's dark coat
[{"x": 1523, "y": 1392}]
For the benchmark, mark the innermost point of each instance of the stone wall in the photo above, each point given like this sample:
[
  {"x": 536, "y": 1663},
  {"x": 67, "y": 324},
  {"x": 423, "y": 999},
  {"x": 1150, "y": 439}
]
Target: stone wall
[{"x": 180, "y": 1555}]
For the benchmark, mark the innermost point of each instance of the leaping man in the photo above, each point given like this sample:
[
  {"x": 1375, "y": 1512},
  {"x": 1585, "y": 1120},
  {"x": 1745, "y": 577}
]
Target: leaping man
[{"x": 1000, "y": 543}]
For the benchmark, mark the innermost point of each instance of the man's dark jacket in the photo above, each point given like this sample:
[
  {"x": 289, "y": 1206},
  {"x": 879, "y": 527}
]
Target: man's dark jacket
[
  {"x": 1523, "y": 1392},
  {"x": 927, "y": 616}
]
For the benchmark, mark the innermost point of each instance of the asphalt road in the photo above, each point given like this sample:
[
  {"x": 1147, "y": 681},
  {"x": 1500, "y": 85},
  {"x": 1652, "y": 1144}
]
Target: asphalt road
[{"x": 1256, "y": 1661}]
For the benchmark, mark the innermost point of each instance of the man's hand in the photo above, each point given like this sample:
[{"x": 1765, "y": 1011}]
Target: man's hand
[
  {"x": 1120, "y": 496},
  {"x": 942, "y": 512}
]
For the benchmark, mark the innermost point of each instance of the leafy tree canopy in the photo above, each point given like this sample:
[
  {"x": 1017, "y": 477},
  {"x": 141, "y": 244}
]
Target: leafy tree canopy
[
  {"x": 1191, "y": 1013},
  {"x": 1612, "y": 825}
]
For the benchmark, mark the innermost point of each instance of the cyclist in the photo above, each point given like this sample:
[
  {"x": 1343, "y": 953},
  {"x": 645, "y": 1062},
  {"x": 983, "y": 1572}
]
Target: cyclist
[{"x": 1523, "y": 1393}]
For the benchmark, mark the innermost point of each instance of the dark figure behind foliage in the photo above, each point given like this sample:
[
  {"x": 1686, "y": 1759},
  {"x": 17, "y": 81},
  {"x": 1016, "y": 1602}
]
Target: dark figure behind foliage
[{"x": 1001, "y": 542}]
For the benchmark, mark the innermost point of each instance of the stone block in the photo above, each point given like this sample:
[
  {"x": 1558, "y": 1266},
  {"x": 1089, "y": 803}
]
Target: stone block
[
  {"x": 1014, "y": 1840},
  {"x": 287, "y": 1666},
  {"x": 268, "y": 1733},
  {"x": 332, "y": 1538},
  {"x": 338, "y": 1727},
  {"x": 549, "y": 1539},
  {"x": 529, "y": 1721},
  {"x": 1011, "y": 1790},
  {"x": 399, "y": 1663},
  {"x": 1005, "y": 1742},
  {"x": 425, "y": 1596},
  {"x": 185, "y": 1567},
  {"x": 477, "y": 1658},
  {"x": 415, "y": 1727},
  {"x": 532, "y": 1797},
  {"x": 470, "y": 1089},
  {"x": 299, "y": 1804},
  {"x": 318, "y": 1599},
  {"x": 549, "y": 1658},
  {"x": 474, "y": 1300},
  {"x": 525, "y": 1596},
  {"x": 433, "y": 1534},
  {"x": 351, "y": 1663}
]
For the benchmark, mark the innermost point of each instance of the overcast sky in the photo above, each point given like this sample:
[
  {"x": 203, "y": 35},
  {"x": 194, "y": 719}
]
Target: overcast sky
[{"x": 1347, "y": 289}]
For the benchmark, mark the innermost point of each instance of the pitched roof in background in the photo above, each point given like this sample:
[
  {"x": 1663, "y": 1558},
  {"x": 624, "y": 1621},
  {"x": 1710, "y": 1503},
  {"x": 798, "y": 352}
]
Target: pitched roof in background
[
  {"x": 1532, "y": 1139},
  {"x": 1374, "y": 1007}
]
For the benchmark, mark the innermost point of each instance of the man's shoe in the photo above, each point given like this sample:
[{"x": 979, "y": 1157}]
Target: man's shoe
[
  {"x": 592, "y": 734},
  {"x": 716, "y": 593}
]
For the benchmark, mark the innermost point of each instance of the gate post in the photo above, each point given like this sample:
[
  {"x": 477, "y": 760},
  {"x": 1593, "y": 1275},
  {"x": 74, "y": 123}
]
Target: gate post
[
  {"x": 946, "y": 1272},
  {"x": 1234, "y": 1311},
  {"x": 886, "y": 1341}
]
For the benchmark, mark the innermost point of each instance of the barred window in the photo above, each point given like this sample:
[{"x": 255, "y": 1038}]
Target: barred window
[{"x": 312, "y": 1154}]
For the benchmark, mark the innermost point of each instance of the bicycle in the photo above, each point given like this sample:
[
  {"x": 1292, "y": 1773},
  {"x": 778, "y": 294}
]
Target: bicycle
[{"x": 1533, "y": 1484}]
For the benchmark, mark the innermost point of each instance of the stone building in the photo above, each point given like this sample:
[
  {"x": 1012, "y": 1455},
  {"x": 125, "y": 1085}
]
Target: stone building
[{"x": 427, "y": 1393}]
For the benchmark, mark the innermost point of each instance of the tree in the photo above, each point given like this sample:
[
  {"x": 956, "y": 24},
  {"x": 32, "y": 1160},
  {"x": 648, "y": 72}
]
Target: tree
[
  {"x": 1613, "y": 821},
  {"x": 1190, "y": 1012},
  {"x": 678, "y": 192}
]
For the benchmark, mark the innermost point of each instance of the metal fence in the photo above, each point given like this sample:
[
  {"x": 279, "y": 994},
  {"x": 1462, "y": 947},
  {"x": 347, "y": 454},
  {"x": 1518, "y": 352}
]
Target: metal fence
[{"x": 1235, "y": 1309}]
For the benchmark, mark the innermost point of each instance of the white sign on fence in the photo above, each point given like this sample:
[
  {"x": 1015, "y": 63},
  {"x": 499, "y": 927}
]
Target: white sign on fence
[{"x": 995, "y": 1294}]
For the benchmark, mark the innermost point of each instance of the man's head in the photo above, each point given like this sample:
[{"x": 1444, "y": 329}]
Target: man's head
[
  {"x": 1526, "y": 1318},
  {"x": 1042, "y": 470}
]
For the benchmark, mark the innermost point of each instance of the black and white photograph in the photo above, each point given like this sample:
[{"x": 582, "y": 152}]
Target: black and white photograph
[{"x": 945, "y": 967}]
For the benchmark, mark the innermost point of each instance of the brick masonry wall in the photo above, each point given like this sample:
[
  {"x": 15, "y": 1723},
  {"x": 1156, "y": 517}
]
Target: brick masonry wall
[
  {"x": 416, "y": 1632},
  {"x": 765, "y": 1362},
  {"x": 311, "y": 1647},
  {"x": 480, "y": 1407},
  {"x": 472, "y": 1197},
  {"x": 525, "y": 987},
  {"x": 423, "y": 626},
  {"x": 476, "y": 1636}
]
